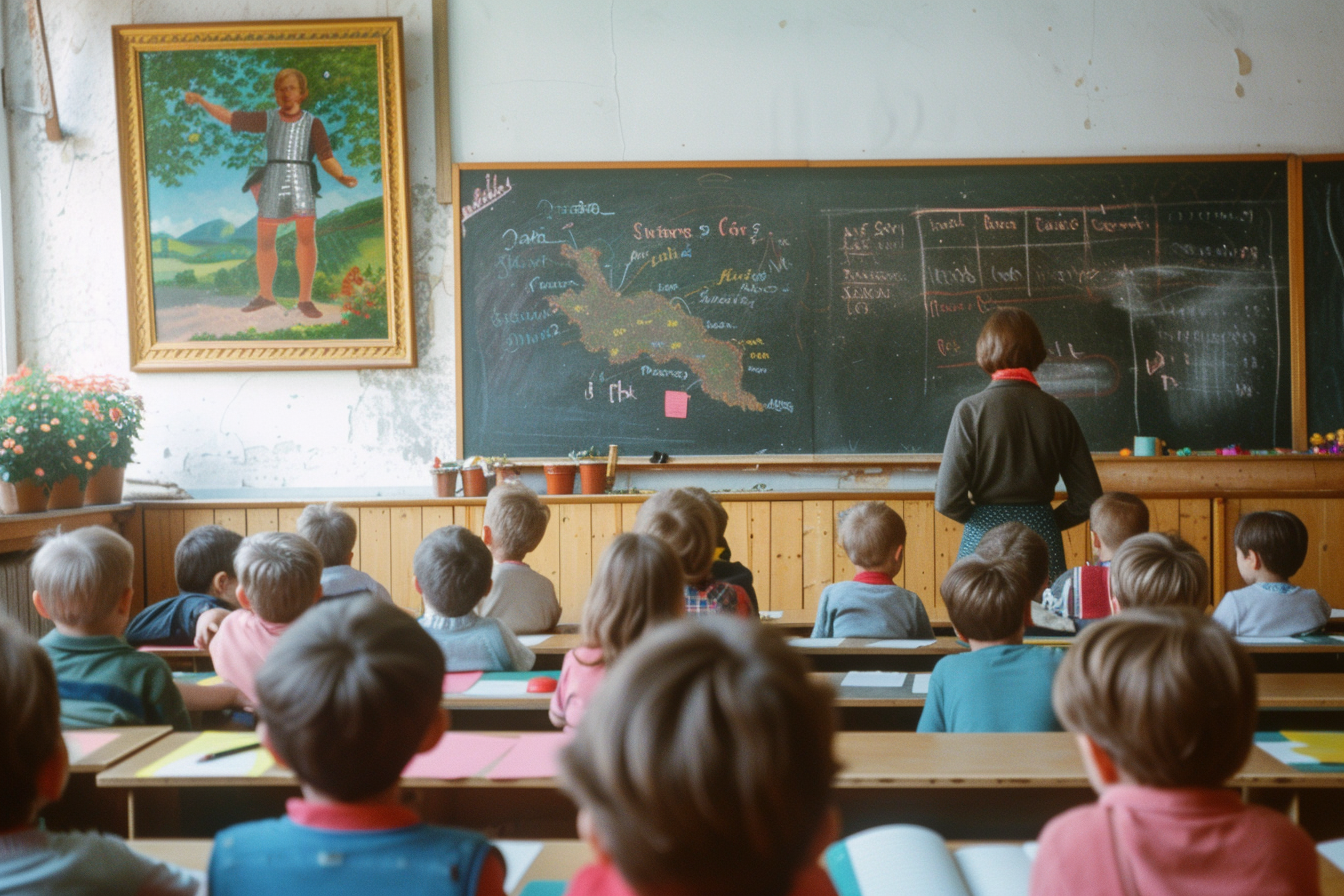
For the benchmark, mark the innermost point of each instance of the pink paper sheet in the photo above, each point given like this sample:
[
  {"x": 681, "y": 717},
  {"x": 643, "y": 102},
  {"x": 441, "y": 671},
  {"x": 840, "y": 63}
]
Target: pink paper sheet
[
  {"x": 458, "y": 756},
  {"x": 534, "y": 757},
  {"x": 459, "y": 682},
  {"x": 81, "y": 743},
  {"x": 674, "y": 404}
]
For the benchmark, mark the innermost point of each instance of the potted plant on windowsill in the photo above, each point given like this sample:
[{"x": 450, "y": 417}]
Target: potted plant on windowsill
[
  {"x": 592, "y": 470},
  {"x": 36, "y": 414},
  {"x": 111, "y": 415},
  {"x": 560, "y": 477},
  {"x": 473, "y": 478},
  {"x": 444, "y": 477}
]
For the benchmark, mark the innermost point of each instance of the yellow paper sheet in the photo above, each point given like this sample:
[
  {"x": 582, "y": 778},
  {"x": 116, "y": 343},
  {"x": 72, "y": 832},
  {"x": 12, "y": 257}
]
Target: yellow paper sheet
[
  {"x": 184, "y": 761},
  {"x": 1323, "y": 746}
]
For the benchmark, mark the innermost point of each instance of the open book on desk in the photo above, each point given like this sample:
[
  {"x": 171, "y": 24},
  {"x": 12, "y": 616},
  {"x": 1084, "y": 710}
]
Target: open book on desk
[{"x": 906, "y": 860}]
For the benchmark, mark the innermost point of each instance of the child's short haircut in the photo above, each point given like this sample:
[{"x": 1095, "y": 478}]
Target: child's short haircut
[
  {"x": 1116, "y": 517},
  {"x": 638, "y": 582},
  {"x": 1159, "y": 570},
  {"x": 986, "y": 599},
  {"x": 82, "y": 574},
  {"x": 203, "y": 553},
  {"x": 517, "y": 519},
  {"x": 1279, "y": 537},
  {"x": 331, "y": 530},
  {"x": 1166, "y": 691},
  {"x": 31, "y": 708},
  {"x": 453, "y": 568},
  {"x": 347, "y": 695},
  {"x": 870, "y": 532},
  {"x": 1019, "y": 544},
  {"x": 684, "y": 522},
  {"x": 705, "y": 760},
  {"x": 716, "y": 508},
  {"x": 1009, "y": 339},
  {"x": 280, "y": 573}
]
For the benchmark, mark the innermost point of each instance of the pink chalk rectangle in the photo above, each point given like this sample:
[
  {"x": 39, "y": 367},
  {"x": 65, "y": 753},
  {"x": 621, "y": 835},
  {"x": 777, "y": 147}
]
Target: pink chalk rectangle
[
  {"x": 458, "y": 756},
  {"x": 81, "y": 743},
  {"x": 534, "y": 757},
  {"x": 674, "y": 404},
  {"x": 459, "y": 682}
]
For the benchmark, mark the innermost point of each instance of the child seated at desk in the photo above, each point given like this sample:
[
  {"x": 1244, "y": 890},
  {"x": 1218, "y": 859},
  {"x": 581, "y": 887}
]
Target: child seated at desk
[
  {"x": 452, "y": 573},
  {"x": 1271, "y": 546},
  {"x": 1002, "y": 684},
  {"x": 687, "y": 525},
  {"x": 520, "y": 597},
  {"x": 279, "y": 577},
  {"x": 1163, "y": 703},
  {"x": 348, "y": 696},
  {"x": 82, "y": 583},
  {"x": 872, "y": 605},
  {"x": 704, "y": 768},
  {"x": 208, "y": 586},
  {"x": 1158, "y": 570},
  {"x": 334, "y": 533},
  {"x": 1084, "y": 593},
  {"x": 639, "y": 583},
  {"x": 34, "y": 767},
  {"x": 725, "y": 568}
]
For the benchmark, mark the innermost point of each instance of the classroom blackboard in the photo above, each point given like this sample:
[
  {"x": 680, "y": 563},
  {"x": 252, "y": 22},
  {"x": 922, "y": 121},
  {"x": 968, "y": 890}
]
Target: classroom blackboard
[
  {"x": 812, "y": 309},
  {"x": 1323, "y": 276}
]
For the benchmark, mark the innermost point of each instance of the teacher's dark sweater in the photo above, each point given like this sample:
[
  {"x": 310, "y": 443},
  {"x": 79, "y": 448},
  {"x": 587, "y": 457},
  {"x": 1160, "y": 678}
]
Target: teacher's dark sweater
[{"x": 1010, "y": 444}]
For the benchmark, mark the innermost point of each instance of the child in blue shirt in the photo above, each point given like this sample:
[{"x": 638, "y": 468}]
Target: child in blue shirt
[
  {"x": 34, "y": 767},
  {"x": 203, "y": 568},
  {"x": 348, "y": 696},
  {"x": 872, "y": 605},
  {"x": 334, "y": 533},
  {"x": 1002, "y": 684},
  {"x": 452, "y": 573},
  {"x": 1271, "y": 546}
]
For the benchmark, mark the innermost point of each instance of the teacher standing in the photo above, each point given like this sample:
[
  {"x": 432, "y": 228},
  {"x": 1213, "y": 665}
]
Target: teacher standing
[{"x": 1010, "y": 444}]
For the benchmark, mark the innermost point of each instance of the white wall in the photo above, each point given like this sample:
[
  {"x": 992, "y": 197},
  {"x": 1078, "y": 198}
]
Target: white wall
[{"x": 581, "y": 80}]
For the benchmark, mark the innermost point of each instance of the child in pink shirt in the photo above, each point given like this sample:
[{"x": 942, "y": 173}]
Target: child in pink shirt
[
  {"x": 1162, "y": 701},
  {"x": 638, "y": 583},
  {"x": 279, "y": 576}
]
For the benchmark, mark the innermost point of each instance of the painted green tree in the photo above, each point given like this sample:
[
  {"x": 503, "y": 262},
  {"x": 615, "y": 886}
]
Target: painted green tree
[{"x": 179, "y": 139}]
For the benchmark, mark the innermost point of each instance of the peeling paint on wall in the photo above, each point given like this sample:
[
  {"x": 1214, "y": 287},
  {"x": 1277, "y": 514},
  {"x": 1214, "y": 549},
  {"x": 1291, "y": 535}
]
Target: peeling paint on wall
[{"x": 1243, "y": 63}]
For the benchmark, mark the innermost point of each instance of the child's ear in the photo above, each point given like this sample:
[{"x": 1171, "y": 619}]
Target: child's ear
[
  {"x": 588, "y": 833},
  {"x": 219, "y": 583},
  {"x": 437, "y": 726},
  {"x": 898, "y": 556},
  {"x": 242, "y": 599},
  {"x": 1101, "y": 768},
  {"x": 1096, "y": 542},
  {"x": 52, "y": 775},
  {"x": 40, "y": 606},
  {"x": 487, "y": 536},
  {"x": 349, "y": 559},
  {"x": 416, "y": 583},
  {"x": 1254, "y": 558},
  {"x": 124, "y": 604}
]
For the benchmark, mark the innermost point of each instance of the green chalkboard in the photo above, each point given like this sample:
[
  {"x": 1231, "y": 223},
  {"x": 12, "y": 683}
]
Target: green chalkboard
[
  {"x": 833, "y": 309},
  {"x": 1323, "y": 281}
]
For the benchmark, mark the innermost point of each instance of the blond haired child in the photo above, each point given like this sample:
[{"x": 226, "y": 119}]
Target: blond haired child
[
  {"x": 1158, "y": 570},
  {"x": 521, "y": 598},
  {"x": 350, "y": 694},
  {"x": 705, "y": 768},
  {"x": 82, "y": 583},
  {"x": 638, "y": 583},
  {"x": 682, "y": 520},
  {"x": 34, "y": 767},
  {"x": 279, "y": 577},
  {"x": 1084, "y": 592},
  {"x": 1271, "y": 546},
  {"x": 334, "y": 533},
  {"x": 1162, "y": 701},
  {"x": 872, "y": 605}
]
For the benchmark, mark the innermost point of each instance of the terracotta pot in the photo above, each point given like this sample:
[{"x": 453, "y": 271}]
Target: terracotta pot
[
  {"x": 473, "y": 482},
  {"x": 560, "y": 479},
  {"x": 445, "y": 483},
  {"x": 66, "y": 494},
  {"x": 593, "y": 474},
  {"x": 505, "y": 472},
  {"x": 28, "y": 496},
  {"x": 105, "y": 487}
]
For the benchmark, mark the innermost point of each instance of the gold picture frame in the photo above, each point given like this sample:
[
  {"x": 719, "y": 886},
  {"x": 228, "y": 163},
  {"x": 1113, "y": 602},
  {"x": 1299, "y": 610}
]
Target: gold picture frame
[{"x": 204, "y": 107}]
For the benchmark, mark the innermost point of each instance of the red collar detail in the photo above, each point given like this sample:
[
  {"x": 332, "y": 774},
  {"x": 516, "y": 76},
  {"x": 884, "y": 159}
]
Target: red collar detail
[
  {"x": 868, "y": 577},
  {"x": 349, "y": 816},
  {"x": 1021, "y": 374}
]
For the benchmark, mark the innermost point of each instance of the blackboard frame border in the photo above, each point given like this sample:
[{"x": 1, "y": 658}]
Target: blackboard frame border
[{"x": 1297, "y": 360}]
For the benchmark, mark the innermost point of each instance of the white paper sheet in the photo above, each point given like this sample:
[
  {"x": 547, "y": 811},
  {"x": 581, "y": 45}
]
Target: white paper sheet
[
  {"x": 903, "y": 860},
  {"x": 815, "y": 642},
  {"x": 921, "y": 683},
  {"x": 486, "y": 688},
  {"x": 1279, "y": 641},
  {"x": 533, "y": 640},
  {"x": 873, "y": 680},
  {"x": 772, "y": 614},
  {"x": 1286, "y": 752},
  {"x": 995, "y": 870},
  {"x": 1336, "y": 613},
  {"x": 1334, "y": 851},
  {"x": 901, "y": 643},
  {"x": 518, "y": 857}
]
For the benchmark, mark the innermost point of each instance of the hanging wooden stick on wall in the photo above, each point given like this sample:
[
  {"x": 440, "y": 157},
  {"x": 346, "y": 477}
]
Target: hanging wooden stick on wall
[{"x": 46, "y": 94}]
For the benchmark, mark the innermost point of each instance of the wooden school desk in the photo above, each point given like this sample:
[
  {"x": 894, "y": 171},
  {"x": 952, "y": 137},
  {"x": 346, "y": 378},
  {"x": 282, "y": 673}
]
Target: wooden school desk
[
  {"x": 183, "y": 659},
  {"x": 84, "y": 806}
]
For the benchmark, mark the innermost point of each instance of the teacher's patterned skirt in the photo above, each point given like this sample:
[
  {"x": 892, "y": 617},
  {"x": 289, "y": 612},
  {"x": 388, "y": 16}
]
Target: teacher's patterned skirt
[{"x": 1040, "y": 518}]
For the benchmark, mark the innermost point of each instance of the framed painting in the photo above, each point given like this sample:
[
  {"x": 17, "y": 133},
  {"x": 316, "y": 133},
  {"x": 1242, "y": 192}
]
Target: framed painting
[{"x": 264, "y": 192}]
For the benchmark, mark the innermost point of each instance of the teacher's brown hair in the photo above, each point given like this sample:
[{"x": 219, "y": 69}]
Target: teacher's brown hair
[{"x": 1010, "y": 338}]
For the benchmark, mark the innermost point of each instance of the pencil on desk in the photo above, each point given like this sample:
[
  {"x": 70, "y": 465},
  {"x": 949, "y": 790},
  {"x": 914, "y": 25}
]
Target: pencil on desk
[{"x": 220, "y": 754}]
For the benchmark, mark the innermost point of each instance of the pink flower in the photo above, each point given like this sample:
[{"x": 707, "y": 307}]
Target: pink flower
[
  {"x": 45, "y": 428},
  {"x": 39, "y": 471},
  {"x": 18, "y": 449},
  {"x": 72, "y": 443},
  {"x": 115, "y": 414},
  {"x": 112, "y": 438},
  {"x": 92, "y": 456},
  {"x": 88, "y": 466}
]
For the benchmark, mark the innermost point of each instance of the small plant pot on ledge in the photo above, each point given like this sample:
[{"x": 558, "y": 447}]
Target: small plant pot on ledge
[
  {"x": 593, "y": 475},
  {"x": 473, "y": 482},
  {"x": 505, "y": 472},
  {"x": 66, "y": 494},
  {"x": 560, "y": 478},
  {"x": 445, "y": 481},
  {"x": 28, "y": 496},
  {"x": 105, "y": 486}
]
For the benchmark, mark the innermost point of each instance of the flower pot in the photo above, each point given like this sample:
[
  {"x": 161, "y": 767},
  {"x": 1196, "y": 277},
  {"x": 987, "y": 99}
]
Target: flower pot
[
  {"x": 66, "y": 494},
  {"x": 593, "y": 476},
  {"x": 445, "y": 482},
  {"x": 105, "y": 486},
  {"x": 473, "y": 482},
  {"x": 560, "y": 479},
  {"x": 28, "y": 496},
  {"x": 505, "y": 472}
]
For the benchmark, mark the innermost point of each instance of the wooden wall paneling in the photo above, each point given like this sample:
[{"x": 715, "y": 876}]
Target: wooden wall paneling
[
  {"x": 1231, "y": 575},
  {"x": 546, "y": 558},
  {"x": 1077, "y": 545},
  {"x": 439, "y": 516},
  {"x": 1218, "y": 548},
  {"x": 133, "y": 530},
  {"x": 606, "y": 525},
  {"x": 919, "y": 554},
  {"x": 1196, "y": 527},
  {"x": 234, "y": 518},
  {"x": 288, "y": 518},
  {"x": 786, "y": 555},
  {"x": 262, "y": 519},
  {"x": 759, "y": 557},
  {"x": 375, "y": 543},
  {"x": 946, "y": 544},
  {"x": 159, "y": 546},
  {"x": 576, "y": 563},
  {"x": 1164, "y": 514},
  {"x": 844, "y": 570},
  {"x": 1331, "y": 552},
  {"x": 630, "y": 509},
  {"x": 818, "y": 550},
  {"x": 475, "y": 517},
  {"x": 405, "y": 533},
  {"x": 195, "y": 517},
  {"x": 899, "y": 507},
  {"x": 738, "y": 538}
]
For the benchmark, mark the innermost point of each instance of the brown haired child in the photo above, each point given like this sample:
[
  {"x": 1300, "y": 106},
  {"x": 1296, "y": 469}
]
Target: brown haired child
[
  {"x": 705, "y": 768},
  {"x": 349, "y": 695},
  {"x": 725, "y": 568},
  {"x": 872, "y": 605},
  {"x": 1158, "y": 570},
  {"x": 1002, "y": 684},
  {"x": 521, "y": 598},
  {"x": 208, "y": 591},
  {"x": 684, "y": 521},
  {"x": 1084, "y": 592},
  {"x": 1271, "y": 546},
  {"x": 638, "y": 583},
  {"x": 1162, "y": 701}
]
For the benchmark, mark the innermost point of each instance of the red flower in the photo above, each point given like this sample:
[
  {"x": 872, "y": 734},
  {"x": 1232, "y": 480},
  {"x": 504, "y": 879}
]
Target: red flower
[{"x": 115, "y": 414}]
